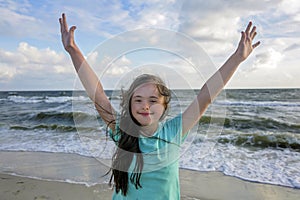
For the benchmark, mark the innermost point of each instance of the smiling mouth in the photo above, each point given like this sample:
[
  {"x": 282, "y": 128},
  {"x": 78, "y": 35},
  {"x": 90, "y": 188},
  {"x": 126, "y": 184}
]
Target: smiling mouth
[{"x": 145, "y": 114}]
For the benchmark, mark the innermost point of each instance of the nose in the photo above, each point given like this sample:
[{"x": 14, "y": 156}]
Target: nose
[{"x": 145, "y": 105}]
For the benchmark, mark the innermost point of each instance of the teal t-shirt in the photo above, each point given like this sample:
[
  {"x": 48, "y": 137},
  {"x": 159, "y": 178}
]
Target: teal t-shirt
[{"x": 161, "y": 152}]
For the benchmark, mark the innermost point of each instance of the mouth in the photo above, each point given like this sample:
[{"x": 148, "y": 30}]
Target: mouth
[{"x": 145, "y": 114}]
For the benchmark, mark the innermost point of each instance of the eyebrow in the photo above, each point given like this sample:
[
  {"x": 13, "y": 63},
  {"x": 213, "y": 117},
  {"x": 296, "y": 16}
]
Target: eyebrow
[{"x": 151, "y": 97}]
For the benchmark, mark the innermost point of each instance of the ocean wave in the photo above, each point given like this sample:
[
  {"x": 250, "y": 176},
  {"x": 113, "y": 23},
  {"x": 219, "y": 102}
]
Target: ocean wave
[
  {"x": 64, "y": 117},
  {"x": 44, "y": 99},
  {"x": 258, "y": 103},
  {"x": 277, "y": 141},
  {"x": 258, "y": 123},
  {"x": 56, "y": 127},
  {"x": 265, "y": 165}
]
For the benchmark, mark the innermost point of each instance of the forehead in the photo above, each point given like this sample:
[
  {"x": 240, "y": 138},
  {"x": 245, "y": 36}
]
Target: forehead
[{"x": 146, "y": 90}]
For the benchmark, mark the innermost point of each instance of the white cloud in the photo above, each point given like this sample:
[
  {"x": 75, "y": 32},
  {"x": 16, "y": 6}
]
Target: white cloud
[
  {"x": 92, "y": 58},
  {"x": 112, "y": 17},
  {"x": 117, "y": 71},
  {"x": 107, "y": 66},
  {"x": 292, "y": 47},
  {"x": 36, "y": 56},
  {"x": 268, "y": 59},
  {"x": 289, "y": 7},
  {"x": 215, "y": 25},
  {"x": 275, "y": 64},
  {"x": 20, "y": 6},
  {"x": 17, "y": 20},
  {"x": 119, "y": 67},
  {"x": 7, "y": 73},
  {"x": 33, "y": 64}
]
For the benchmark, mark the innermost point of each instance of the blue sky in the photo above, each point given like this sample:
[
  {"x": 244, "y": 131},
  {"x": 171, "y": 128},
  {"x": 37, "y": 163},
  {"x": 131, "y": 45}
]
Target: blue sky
[{"x": 32, "y": 57}]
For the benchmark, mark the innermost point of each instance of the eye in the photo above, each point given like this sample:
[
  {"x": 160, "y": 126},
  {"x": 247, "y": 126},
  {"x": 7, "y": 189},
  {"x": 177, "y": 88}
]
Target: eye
[
  {"x": 137, "y": 100},
  {"x": 153, "y": 100}
]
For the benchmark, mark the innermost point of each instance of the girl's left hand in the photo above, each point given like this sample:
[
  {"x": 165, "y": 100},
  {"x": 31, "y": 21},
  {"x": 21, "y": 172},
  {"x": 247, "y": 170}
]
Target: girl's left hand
[
  {"x": 67, "y": 35},
  {"x": 245, "y": 46}
]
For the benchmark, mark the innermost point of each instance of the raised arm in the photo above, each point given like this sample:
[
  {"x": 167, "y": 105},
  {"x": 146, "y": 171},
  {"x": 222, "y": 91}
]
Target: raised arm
[
  {"x": 216, "y": 83},
  {"x": 86, "y": 74}
]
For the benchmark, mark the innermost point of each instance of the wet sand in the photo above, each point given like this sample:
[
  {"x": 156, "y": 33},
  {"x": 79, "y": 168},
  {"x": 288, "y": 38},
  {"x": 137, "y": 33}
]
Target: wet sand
[{"x": 58, "y": 168}]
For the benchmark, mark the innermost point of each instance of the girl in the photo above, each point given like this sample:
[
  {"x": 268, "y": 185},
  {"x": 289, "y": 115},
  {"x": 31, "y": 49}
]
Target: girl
[{"x": 145, "y": 164}]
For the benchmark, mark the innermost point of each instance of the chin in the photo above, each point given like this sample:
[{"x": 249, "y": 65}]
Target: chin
[{"x": 145, "y": 124}]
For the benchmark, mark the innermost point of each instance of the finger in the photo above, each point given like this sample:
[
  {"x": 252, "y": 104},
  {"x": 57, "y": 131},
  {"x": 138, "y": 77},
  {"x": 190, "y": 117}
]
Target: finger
[
  {"x": 256, "y": 44},
  {"x": 253, "y": 36},
  {"x": 248, "y": 27},
  {"x": 253, "y": 32},
  {"x": 243, "y": 36},
  {"x": 64, "y": 22},
  {"x": 72, "y": 29},
  {"x": 61, "y": 25}
]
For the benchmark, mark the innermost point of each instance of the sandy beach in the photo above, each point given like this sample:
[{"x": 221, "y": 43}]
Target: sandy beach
[{"x": 194, "y": 185}]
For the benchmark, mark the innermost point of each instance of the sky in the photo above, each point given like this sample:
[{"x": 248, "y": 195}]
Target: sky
[{"x": 122, "y": 38}]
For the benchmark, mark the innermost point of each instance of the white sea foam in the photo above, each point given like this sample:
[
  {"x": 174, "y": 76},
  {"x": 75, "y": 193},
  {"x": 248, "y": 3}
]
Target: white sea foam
[
  {"x": 264, "y": 165},
  {"x": 258, "y": 103},
  {"x": 45, "y": 99}
]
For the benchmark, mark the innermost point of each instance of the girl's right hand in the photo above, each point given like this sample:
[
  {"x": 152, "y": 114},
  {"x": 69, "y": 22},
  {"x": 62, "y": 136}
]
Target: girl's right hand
[{"x": 67, "y": 35}]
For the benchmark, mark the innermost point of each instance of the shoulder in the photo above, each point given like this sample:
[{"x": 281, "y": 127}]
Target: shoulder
[
  {"x": 171, "y": 129},
  {"x": 174, "y": 123}
]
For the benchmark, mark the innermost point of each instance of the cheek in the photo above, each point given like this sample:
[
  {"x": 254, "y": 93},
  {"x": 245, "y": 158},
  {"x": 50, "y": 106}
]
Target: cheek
[
  {"x": 159, "y": 108},
  {"x": 133, "y": 108}
]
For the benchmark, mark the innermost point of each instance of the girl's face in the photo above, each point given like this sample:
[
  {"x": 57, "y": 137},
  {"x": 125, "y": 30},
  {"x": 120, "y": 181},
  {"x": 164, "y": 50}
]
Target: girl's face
[{"x": 147, "y": 105}]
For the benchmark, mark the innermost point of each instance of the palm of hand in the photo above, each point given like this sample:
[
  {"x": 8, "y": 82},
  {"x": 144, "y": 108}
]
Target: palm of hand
[
  {"x": 67, "y": 35},
  {"x": 245, "y": 46}
]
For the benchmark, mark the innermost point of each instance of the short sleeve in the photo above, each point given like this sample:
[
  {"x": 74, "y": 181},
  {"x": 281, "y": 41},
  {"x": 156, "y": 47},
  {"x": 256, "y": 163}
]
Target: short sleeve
[{"x": 174, "y": 130}]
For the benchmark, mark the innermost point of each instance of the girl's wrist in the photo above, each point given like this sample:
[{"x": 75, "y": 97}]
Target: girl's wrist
[
  {"x": 72, "y": 49},
  {"x": 237, "y": 58}
]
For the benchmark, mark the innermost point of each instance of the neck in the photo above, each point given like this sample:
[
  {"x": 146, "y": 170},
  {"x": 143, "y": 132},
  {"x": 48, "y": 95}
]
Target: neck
[{"x": 148, "y": 131}]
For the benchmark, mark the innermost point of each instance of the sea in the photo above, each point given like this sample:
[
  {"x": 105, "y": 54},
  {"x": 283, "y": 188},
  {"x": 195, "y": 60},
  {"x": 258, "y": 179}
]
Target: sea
[{"x": 252, "y": 134}]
